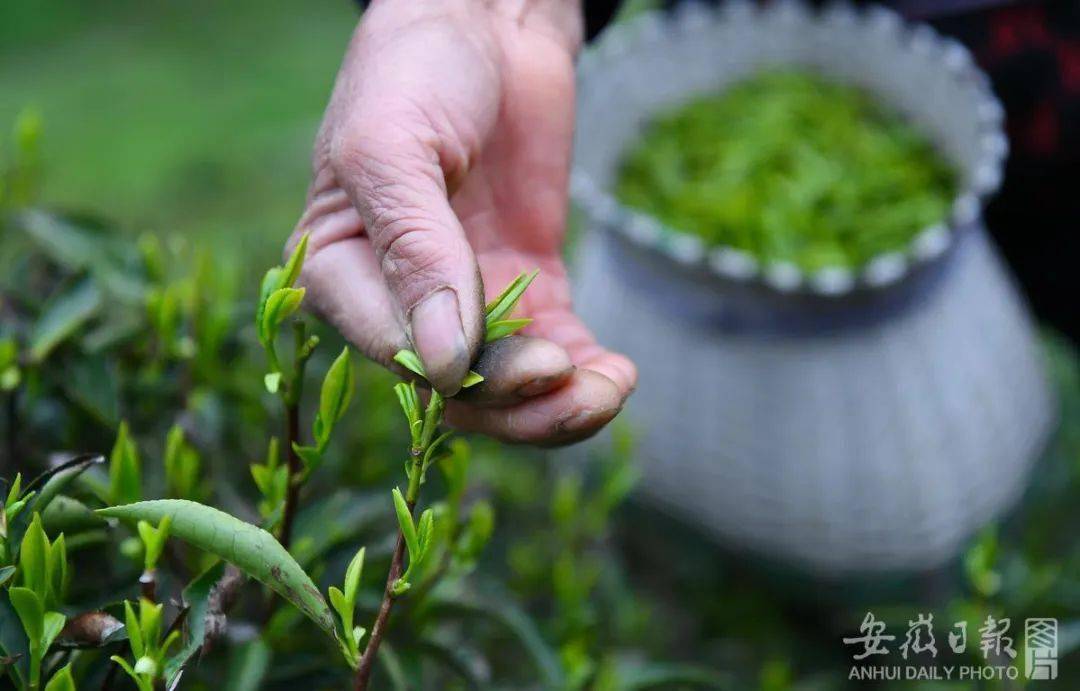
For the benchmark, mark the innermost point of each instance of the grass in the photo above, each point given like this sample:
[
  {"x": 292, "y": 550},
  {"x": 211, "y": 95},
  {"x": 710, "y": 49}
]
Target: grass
[{"x": 195, "y": 117}]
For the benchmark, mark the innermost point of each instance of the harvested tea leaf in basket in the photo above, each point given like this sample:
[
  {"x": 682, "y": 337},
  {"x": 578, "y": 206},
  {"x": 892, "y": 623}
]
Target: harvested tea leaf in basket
[{"x": 789, "y": 166}]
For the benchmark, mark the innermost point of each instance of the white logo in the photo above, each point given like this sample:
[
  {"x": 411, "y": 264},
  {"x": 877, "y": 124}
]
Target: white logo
[
  {"x": 919, "y": 654},
  {"x": 1040, "y": 648}
]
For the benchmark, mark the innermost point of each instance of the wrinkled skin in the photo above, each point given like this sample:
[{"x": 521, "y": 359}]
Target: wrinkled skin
[{"x": 440, "y": 172}]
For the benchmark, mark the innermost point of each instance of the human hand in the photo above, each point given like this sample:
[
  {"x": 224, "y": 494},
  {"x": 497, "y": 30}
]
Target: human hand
[{"x": 440, "y": 171}]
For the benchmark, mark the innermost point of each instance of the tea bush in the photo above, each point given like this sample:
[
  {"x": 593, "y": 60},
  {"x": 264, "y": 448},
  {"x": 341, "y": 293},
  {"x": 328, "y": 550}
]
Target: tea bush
[
  {"x": 149, "y": 397},
  {"x": 203, "y": 485}
]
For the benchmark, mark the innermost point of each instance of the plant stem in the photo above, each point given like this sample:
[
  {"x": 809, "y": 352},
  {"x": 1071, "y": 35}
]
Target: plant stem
[
  {"x": 148, "y": 584},
  {"x": 367, "y": 660},
  {"x": 291, "y": 396},
  {"x": 292, "y": 493},
  {"x": 412, "y": 494}
]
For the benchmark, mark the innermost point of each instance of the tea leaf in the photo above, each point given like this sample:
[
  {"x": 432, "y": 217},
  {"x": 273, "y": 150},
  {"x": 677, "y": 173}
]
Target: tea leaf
[
  {"x": 291, "y": 271},
  {"x": 33, "y": 558},
  {"x": 63, "y": 315},
  {"x": 67, "y": 515},
  {"x": 501, "y": 307},
  {"x": 52, "y": 625},
  {"x": 134, "y": 631},
  {"x": 250, "y": 548},
  {"x": 337, "y": 390},
  {"x": 281, "y": 304},
  {"x": 789, "y": 166},
  {"x": 309, "y": 455},
  {"x": 471, "y": 379},
  {"x": 125, "y": 471},
  {"x": 504, "y": 328},
  {"x": 408, "y": 530},
  {"x": 31, "y": 613},
  {"x": 62, "y": 680},
  {"x": 410, "y": 361},
  {"x": 13, "y": 641},
  {"x": 352, "y": 575},
  {"x": 197, "y": 599}
]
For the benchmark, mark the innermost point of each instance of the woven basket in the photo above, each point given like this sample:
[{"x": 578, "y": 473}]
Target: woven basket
[{"x": 847, "y": 422}]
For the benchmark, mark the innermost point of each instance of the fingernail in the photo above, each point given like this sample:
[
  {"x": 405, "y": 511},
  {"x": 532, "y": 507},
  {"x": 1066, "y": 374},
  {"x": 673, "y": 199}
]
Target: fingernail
[
  {"x": 440, "y": 340},
  {"x": 542, "y": 385},
  {"x": 586, "y": 419}
]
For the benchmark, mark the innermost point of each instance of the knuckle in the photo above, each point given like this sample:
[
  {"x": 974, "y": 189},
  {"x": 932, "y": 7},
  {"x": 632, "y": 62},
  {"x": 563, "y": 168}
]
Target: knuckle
[{"x": 410, "y": 252}]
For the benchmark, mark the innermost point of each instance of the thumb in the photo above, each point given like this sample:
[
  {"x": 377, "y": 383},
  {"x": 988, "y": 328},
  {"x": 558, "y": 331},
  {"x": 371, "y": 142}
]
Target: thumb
[{"x": 393, "y": 171}]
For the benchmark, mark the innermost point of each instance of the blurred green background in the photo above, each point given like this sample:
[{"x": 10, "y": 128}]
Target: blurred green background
[{"x": 193, "y": 117}]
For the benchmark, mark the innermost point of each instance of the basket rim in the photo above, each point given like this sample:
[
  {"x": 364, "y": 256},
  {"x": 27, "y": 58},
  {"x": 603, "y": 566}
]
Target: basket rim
[{"x": 731, "y": 264}]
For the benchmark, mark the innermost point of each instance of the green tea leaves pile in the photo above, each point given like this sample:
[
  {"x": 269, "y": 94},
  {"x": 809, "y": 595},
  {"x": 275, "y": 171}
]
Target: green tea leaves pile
[{"x": 790, "y": 167}]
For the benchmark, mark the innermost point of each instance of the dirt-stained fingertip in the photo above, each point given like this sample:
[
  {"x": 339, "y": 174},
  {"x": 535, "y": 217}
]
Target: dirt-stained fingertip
[{"x": 516, "y": 368}]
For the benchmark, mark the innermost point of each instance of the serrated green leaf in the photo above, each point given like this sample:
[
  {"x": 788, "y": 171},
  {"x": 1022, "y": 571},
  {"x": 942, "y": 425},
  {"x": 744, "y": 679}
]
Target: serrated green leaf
[
  {"x": 502, "y": 306},
  {"x": 250, "y": 548},
  {"x": 504, "y": 328}
]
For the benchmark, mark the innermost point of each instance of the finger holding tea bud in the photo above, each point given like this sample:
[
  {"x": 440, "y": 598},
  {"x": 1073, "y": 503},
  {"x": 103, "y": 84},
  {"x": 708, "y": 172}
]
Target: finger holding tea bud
[{"x": 517, "y": 368}]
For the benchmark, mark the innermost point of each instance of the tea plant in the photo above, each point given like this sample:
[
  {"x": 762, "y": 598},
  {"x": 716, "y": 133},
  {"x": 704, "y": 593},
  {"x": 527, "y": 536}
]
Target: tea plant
[
  {"x": 791, "y": 167},
  {"x": 136, "y": 347},
  {"x": 438, "y": 543}
]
